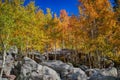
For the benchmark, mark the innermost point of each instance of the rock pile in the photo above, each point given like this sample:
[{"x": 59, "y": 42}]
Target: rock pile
[{"x": 40, "y": 69}]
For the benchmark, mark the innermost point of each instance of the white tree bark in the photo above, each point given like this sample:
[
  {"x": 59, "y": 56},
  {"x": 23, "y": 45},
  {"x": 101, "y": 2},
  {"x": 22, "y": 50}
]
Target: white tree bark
[{"x": 4, "y": 58}]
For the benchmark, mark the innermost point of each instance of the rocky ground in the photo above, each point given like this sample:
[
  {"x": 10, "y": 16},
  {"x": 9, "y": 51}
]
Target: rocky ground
[{"x": 28, "y": 69}]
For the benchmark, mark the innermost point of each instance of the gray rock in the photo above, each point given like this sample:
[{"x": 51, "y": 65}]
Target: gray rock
[
  {"x": 50, "y": 74},
  {"x": 13, "y": 50},
  {"x": 3, "y": 79},
  {"x": 59, "y": 66},
  {"x": 9, "y": 58},
  {"x": 30, "y": 70},
  {"x": 109, "y": 72},
  {"x": 93, "y": 72},
  {"x": 77, "y": 74},
  {"x": 102, "y": 74},
  {"x": 105, "y": 72},
  {"x": 66, "y": 71},
  {"x": 102, "y": 78},
  {"x": 83, "y": 67}
]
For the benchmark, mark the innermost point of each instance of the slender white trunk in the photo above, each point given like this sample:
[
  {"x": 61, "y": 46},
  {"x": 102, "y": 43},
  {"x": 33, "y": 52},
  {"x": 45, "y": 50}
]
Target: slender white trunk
[
  {"x": 3, "y": 63},
  {"x": 4, "y": 48},
  {"x": 46, "y": 50},
  {"x": 63, "y": 44}
]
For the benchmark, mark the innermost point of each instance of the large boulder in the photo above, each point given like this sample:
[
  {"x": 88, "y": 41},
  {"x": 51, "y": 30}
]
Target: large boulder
[
  {"x": 101, "y": 77},
  {"x": 30, "y": 70},
  {"x": 102, "y": 74},
  {"x": 109, "y": 72},
  {"x": 59, "y": 66},
  {"x": 66, "y": 71},
  {"x": 76, "y": 74},
  {"x": 106, "y": 72},
  {"x": 93, "y": 72}
]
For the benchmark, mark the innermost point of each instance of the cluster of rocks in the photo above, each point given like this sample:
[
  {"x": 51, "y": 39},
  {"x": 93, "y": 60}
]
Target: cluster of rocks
[
  {"x": 28, "y": 69},
  {"x": 40, "y": 69}
]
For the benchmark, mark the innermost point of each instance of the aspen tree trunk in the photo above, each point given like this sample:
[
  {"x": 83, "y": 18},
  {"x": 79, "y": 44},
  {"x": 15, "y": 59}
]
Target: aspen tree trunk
[
  {"x": 4, "y": 46},
  {"x": 63, "y": 44},
  {"x": 75, "y": 59},
  {"x": 98, "y": 59},
  {"x": 33, "y": 55},
  {"x": 103, "y": 61},
  {"x": 89, "y": 60},
  {"x": 4, "y": 58},
  {"x": 76, "y": 54},
  {"x": 27, "y": 54},
  {"x": 55, "y": 49},
  {"x": 46, "y": 50}
]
